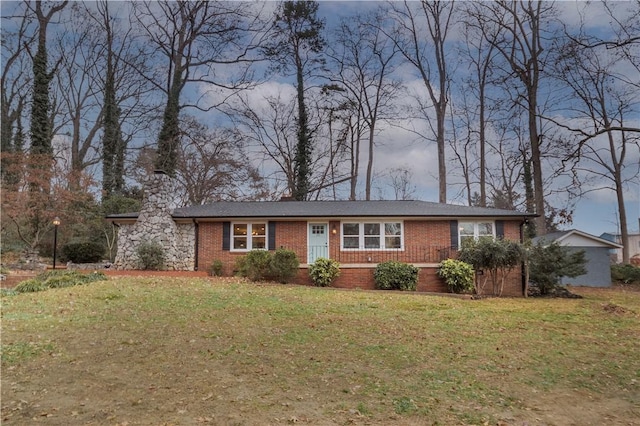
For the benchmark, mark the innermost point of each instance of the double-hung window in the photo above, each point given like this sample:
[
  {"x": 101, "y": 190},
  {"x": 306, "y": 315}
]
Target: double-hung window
[
  {"x": 249, "y": 236},
  {"x": 475, "y": 230},
  {"x": 372, "y": 235}
]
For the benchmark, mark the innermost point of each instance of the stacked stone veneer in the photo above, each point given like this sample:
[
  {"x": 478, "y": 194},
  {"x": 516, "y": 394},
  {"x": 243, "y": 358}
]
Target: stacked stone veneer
[{"x": 156, "y": 224}]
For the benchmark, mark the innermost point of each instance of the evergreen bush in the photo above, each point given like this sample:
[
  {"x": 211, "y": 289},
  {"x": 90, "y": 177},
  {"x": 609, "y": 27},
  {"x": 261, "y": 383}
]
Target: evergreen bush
[
  {"x": 256, "y": 265},
  {"x": 627, "y": 274},
  {"x": 284, "y": 265},
  {"x": 151, "y": 256},
  {"x": 86, "y": 252},
  {"x": 495, "y": 257},
  {"x": 240, "y": 268},
  {"x": 393, "y": 275},
  {"x": 215, "y": 270},
  {"x": 324, "y": 271},
  {"x": 549, "y": 263},
  {"x": 458, "y": 275}
]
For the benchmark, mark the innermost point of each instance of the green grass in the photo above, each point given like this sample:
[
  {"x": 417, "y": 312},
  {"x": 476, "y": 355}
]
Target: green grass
[
  {"x": 329, "y": 354},
  {"x": 13, "y": 353}
]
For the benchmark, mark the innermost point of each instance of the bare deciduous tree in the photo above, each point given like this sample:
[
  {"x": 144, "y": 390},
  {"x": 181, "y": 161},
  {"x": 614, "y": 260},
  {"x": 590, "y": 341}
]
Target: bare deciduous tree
[
  {"x": 213, "y": 166},
  {"x": 14, "y": 86},
  {"x": 429, "y": 57},
  {"x": 400, "y": 181},
  {"x": 364, "y": 59},
  {"x": 605, "y": 102},
  {"x": 197, "y": 40},
  {"x": 516, "y": 30},
  {"x": 271, "y": 137},
  {"x": 480, "y": 53}
]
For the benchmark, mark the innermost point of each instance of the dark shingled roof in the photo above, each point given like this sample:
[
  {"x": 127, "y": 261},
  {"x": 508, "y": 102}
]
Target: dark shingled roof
[
  {"x": 337, "y": 209},
  {"x": 331, "y": 209}
]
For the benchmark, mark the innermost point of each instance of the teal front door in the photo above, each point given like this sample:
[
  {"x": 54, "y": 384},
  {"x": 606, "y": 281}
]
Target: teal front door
[{"x": 318, "y": 241}]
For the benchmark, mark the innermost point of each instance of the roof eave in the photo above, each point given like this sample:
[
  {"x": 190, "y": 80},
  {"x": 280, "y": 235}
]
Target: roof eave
[{"x": 340, "y": 216}]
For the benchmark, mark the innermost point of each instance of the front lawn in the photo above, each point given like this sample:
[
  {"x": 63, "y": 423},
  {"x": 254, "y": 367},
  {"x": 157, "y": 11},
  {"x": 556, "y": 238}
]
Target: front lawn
[{"x": 224, "y": 351}]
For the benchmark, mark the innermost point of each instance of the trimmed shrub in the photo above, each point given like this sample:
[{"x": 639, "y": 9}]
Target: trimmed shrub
[
  {"x": 151, "y": 256},
  {"x": 457, "y": 274},
  {"x": 627, "y": 274},
  {"x": 284, "y": 265},
  {"x": 396, "y": 276},
  {"x": 215, "y": 270},
  {"x": 324, "y": 271},
  {"x": 495, "y": 257},
  {"x": 255, "y": 265},
  {"x": 87, "y": 252},
  {"x": 240, "y": 268},
  {"x": 30, "y": 286}
]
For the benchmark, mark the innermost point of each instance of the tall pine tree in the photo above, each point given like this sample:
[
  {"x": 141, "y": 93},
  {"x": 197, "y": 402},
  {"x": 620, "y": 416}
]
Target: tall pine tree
[{"x": 296, "y": 45}]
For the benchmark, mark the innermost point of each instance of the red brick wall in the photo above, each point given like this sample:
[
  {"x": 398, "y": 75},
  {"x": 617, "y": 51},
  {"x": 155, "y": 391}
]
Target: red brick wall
[
  {"x": 288, "y": 234},
  {"x": 293, "y": 235}
]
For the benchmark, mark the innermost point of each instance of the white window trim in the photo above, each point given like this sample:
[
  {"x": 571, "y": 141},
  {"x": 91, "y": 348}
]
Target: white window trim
[
  {"x": 248, "y": 236},
  {"x": 361, "y": 235},
  {"x": 476, "y": 233}
]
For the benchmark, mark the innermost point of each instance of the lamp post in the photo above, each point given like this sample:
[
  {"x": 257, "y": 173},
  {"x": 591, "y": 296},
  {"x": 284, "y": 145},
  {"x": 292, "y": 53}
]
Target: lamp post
[{"x": 56, "y": 222}]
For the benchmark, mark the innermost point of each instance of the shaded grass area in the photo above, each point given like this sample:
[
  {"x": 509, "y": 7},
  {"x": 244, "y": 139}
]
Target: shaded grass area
[{"x": 230, "y": 352}]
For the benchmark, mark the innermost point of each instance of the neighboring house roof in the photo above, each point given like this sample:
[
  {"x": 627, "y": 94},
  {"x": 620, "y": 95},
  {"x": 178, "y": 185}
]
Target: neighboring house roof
[
  {"x": 337, "y": 209},
  {"x": 610, "y": 237},
  {"x": 617, "y": 236},
  {"x": 575, "y": 238}
]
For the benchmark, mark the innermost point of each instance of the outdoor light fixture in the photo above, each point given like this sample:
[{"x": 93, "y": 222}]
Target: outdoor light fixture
[
  {"x": 334, "y": 231},
  {"x": 56, "y": 222}
]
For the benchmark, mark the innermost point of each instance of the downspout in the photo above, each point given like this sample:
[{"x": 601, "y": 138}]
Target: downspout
[
  {"x": 523, "y": 266},
  {"x": 196, "y": 230}
]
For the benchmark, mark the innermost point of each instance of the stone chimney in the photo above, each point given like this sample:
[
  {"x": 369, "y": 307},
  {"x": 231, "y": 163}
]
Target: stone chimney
[
  {"x": 155, "y": 224},
  {"x": 156, "y": 201}
]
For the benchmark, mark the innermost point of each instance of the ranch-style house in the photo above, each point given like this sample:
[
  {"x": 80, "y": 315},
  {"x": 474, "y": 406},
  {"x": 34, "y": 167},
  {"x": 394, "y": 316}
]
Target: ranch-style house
[{"x": 358, "y": 234}]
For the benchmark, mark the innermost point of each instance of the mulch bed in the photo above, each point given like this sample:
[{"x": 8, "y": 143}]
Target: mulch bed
[
  {"x": 558, "y": 292},
  {"x": 137, "y": 273}
]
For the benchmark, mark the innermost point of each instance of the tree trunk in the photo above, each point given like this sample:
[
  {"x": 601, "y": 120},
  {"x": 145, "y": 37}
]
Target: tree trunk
[
  {"x": 536, "y": 170},
  {"x": 483, "y": 143},
  {"x": 370, "y": 161}
]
